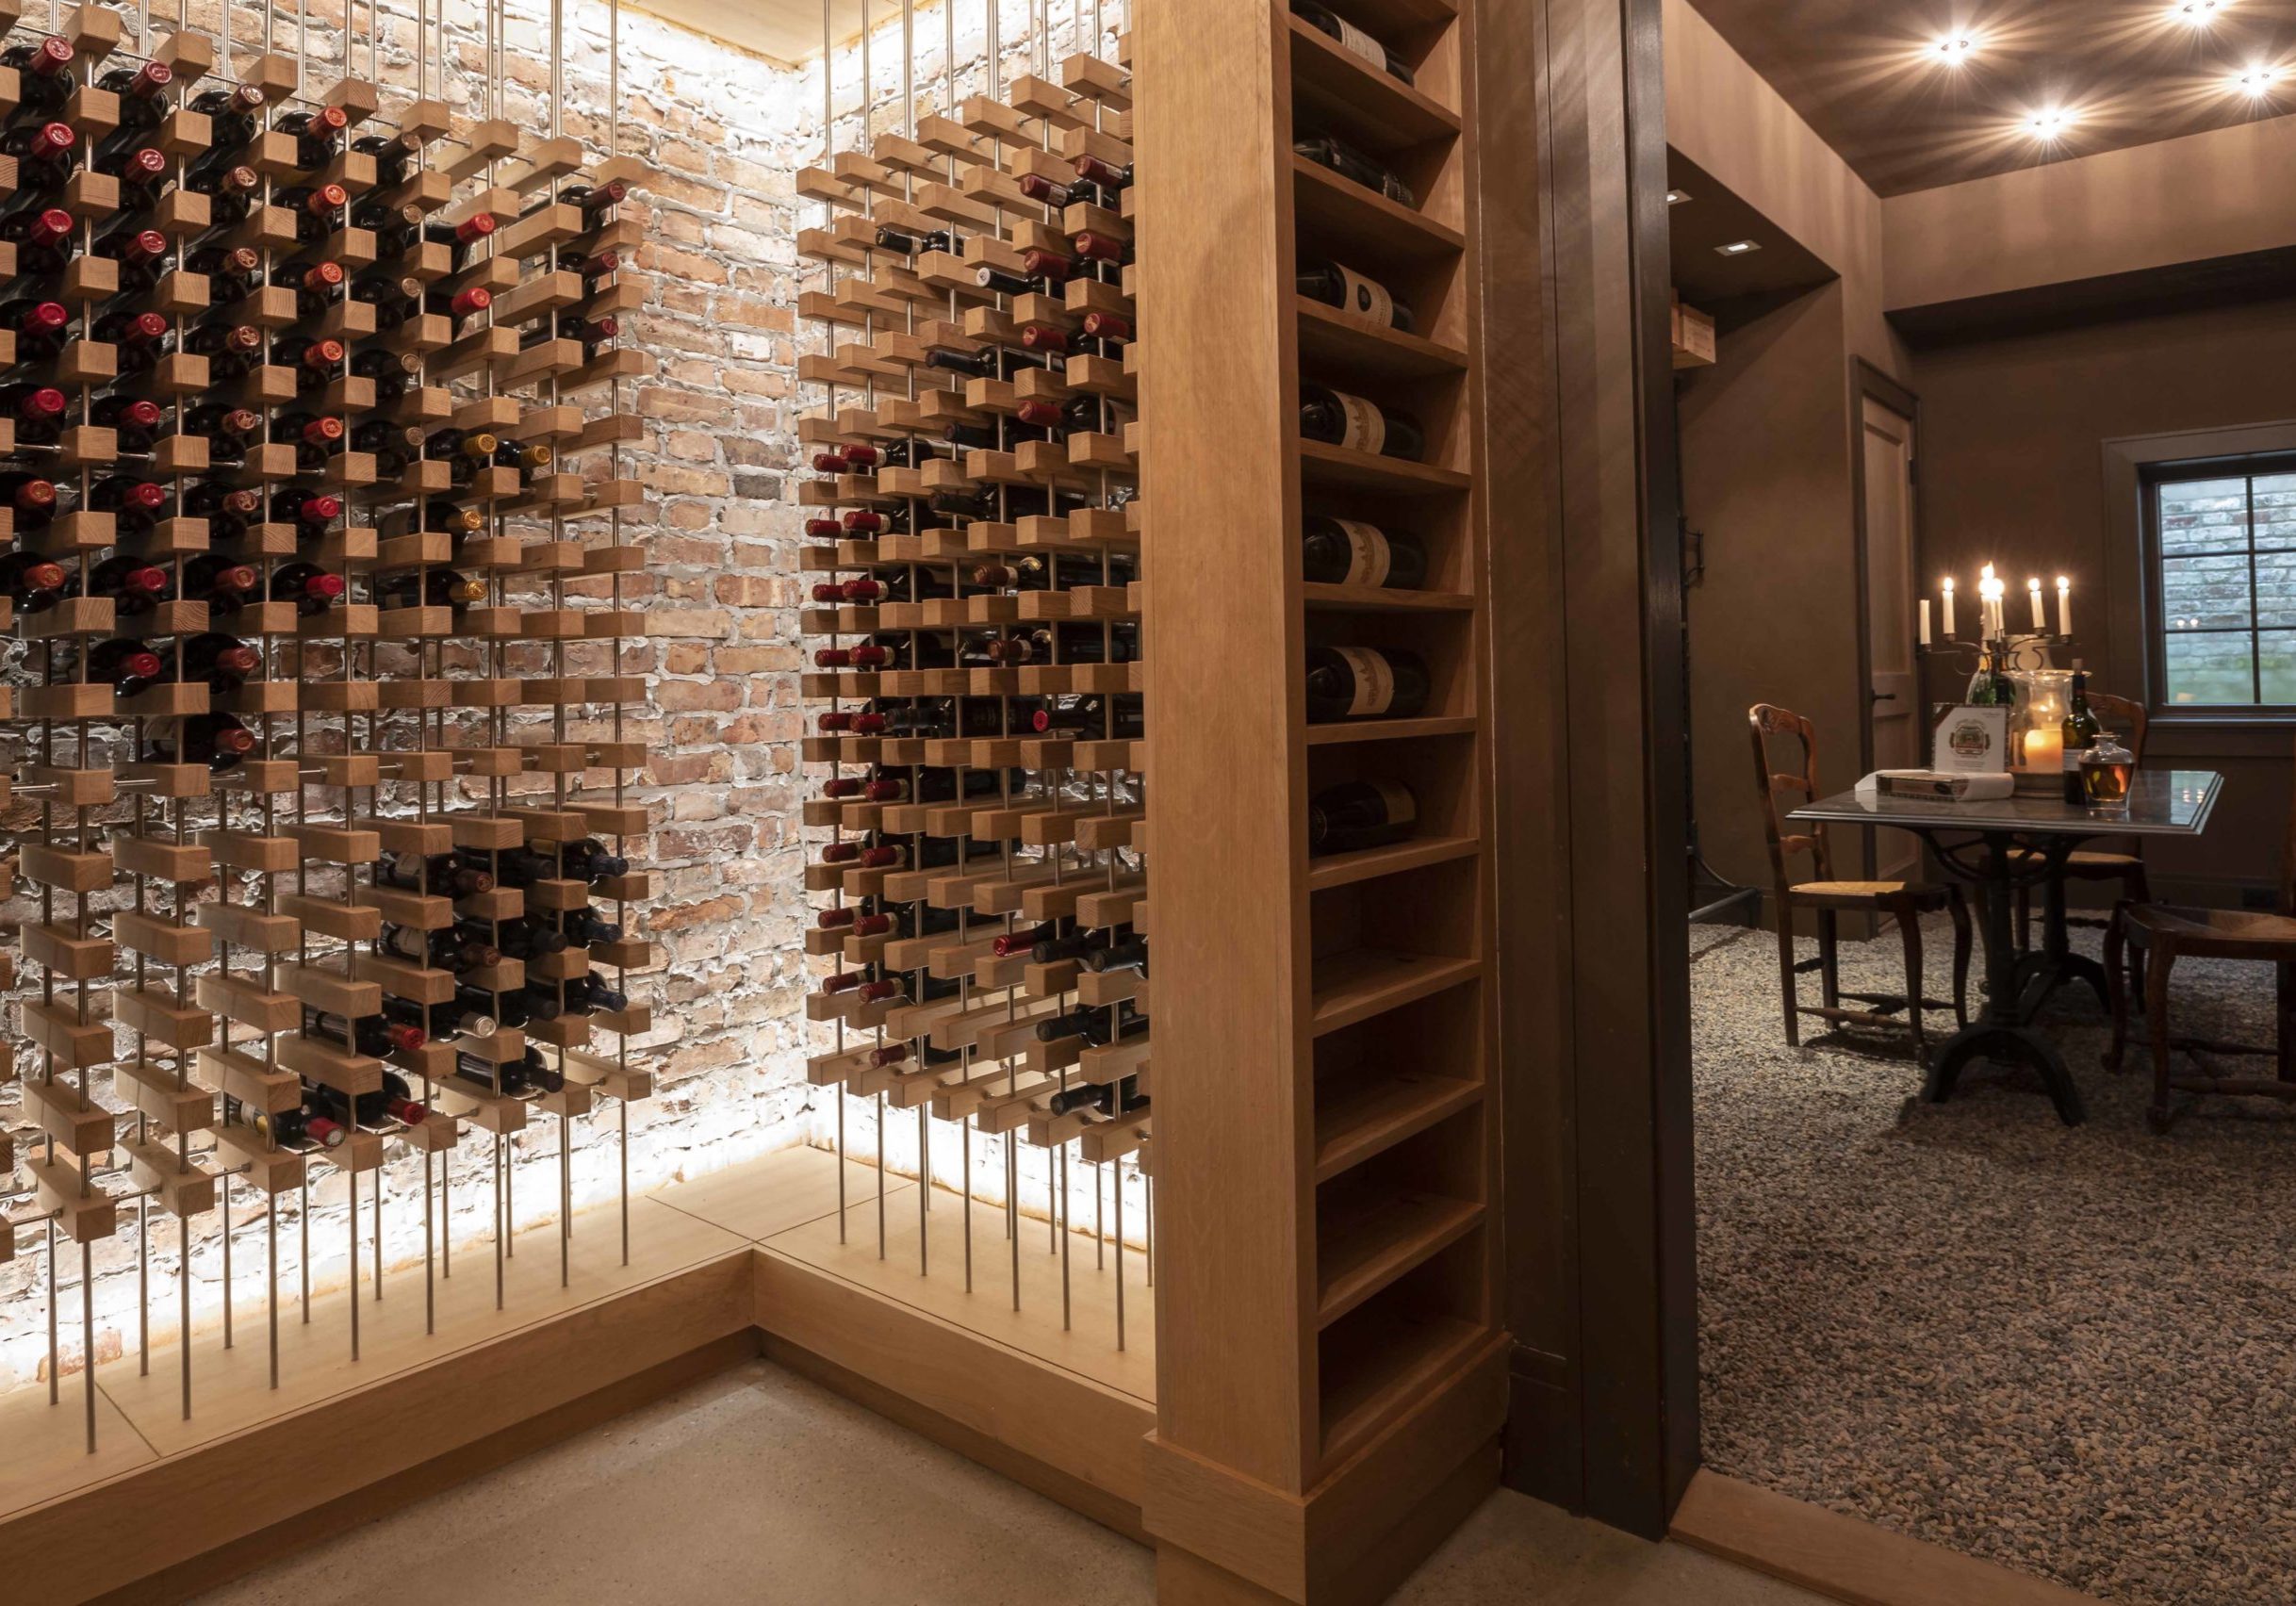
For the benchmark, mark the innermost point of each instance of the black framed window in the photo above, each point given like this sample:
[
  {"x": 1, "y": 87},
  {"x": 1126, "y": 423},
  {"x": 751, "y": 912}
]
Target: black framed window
[{"x": 2221, "y": 556}]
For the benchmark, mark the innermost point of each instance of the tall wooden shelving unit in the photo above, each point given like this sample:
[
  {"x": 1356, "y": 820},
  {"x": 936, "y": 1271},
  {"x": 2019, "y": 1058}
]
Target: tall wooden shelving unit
[{"x": 1331, "y": 1366}]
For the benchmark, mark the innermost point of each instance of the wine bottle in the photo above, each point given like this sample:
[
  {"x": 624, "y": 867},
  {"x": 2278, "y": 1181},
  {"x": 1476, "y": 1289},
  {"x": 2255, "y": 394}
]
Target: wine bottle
[
  {"x": 293, "y": 1128},
  {"x": 44, "y": 75},
  {"x": 526, "y": 938},
  {"x": 443, "y": 874},
  {"x": 44, "y": 238},
  {"x": 142, "y": 173},
  {"x": 136, "y": 504},
  {"x": 46, "y": 157},
  {"x": 511, "y": 1079},
  {"x": 1351, "y": 39},
  {"x": 1364, "y": 682},
  {"x": 39, "y": 411},
  {"x": 134, "y": 587},
  {"x": 224, "y": 661},
  {"x": 232, "y": 190},
  {"x": 33, "y": 583},
  {"x": 1353, "y": 294},
  {"x": 1122, "y": 953},
  {"x": 122, "y": 662},
  {"x": 142, "y": 92},
  {"x": 231, "y": 272},
  {"x": 429, "y": 588},
  {"x": 227, "y": 430},
  {"x": 1350, "y": 552},
  {"x": 221, "y": 583},
  {"x": 312, "y": 589},
  {"x": 377, "y": 1035},
  {"x": 1326, "y": 151},
  {"x": 1357, "y": 814},
  {"x": 229, "y": 510},
  {"x": 40, "y": 327},
  {"x": 217, "y": 740},
  {"x": 134, "y": 419},
  {"x": 1354, "y": 424},
  {"x": 393, "y": 1101},
  {"x": 462, "y": 947}
]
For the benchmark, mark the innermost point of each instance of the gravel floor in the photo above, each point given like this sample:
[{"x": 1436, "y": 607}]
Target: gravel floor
[{"x": 2066, "y": 1350}]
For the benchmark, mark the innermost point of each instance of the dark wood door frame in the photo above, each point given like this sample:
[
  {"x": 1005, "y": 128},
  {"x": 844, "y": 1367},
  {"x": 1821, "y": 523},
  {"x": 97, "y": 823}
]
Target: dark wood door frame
[
  {"x": 1868, "y": 381},
  {"x": 1592, "y": 797}
]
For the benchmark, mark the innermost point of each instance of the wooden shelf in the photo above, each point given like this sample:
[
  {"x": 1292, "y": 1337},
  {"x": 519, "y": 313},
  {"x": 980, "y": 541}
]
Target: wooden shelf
[
  {"x": 1325, "y": 201},
  {"x": 1371, "y": 109},
  {"x": 1360, "y": 1116},
  {"x": 1374, "y": 1377},
  {"x": 1330, "y": 337},
  {"x": 1391, "y": 19},
  {"x": 1376, "y": 1235},
  {"x": 1380, "y": 600},
  {"x": 1343, "y": 869},
  {"x": 1336, "y": 465},
  {"x": 1363, "y": 982},
  {"x": 1387, "y": 729}
]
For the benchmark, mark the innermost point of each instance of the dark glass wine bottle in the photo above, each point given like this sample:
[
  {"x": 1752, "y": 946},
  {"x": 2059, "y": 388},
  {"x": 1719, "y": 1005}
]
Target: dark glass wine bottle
[
  {"x": 1353, "y": 294},
  {"x": 1328, "y": 150},
  {"x": 1357, "y": 814},
  {"x": 1351, "y": 39},
  {"x": 1364, "y": 682},
  {"x": 1350, "y": 552},
  {"x": 1354, "y": 424}
]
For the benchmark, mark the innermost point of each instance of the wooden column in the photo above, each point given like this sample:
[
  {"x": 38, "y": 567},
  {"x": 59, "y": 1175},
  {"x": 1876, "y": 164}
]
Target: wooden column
[{"x": 1329, "y": 1365}]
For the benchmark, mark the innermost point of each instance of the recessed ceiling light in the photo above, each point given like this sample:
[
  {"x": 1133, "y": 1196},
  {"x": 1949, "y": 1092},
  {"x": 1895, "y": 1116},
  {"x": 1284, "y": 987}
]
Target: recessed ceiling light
[
  {"x": 1954, "y": 49},
  {"x": 2048, "y": 124},
  {"x": 1676, "y": 197},
  {"x": 2257, "y": 80},
  {"x": 2198, "y": 12},
  {"x": 1738, "y": 248}
]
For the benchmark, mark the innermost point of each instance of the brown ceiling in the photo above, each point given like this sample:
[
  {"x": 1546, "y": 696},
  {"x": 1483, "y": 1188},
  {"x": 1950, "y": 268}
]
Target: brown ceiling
[{"x": 2130, "y": 71}]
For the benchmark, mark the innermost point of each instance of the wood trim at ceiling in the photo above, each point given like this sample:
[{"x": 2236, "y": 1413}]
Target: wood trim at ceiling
[{"x": 1844, "y": 1558}]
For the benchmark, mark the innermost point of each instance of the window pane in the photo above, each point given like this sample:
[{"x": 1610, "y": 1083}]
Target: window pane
[
  {"x": 2279, "y": 656},
  {"x": 2276, "y": 590},
  {"x": 2276, "y": 510},
  {"x": 2204, "y": 516},
  {"x": 2205, "y": 594},
  {"x": 2213, "y": 671}
]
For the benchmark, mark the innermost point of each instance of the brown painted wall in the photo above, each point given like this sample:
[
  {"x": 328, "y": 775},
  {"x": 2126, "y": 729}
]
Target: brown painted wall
[
  {"x": 2011, "y": 469},
  {"x": 2221, "y": 193},
  {"x": 1767, "y": 478}
]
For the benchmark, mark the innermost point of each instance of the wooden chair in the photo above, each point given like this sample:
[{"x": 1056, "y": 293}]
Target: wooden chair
[
  {"x": 1904, "y": 901},
  {"x": 2167, "y": 933},
  {"x": 2127, "y": 719}
]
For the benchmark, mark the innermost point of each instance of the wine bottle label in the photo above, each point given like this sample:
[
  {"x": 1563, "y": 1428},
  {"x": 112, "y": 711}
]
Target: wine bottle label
[
  {"x": 1363, "y": 45},
  {"x": 1402, "y": 809},
  {"x": 1367, "y": 426},
  {"x": 1365, "y": 299},
  {"x": 1369, "y": 556},
  {"x": 1375, "y": 681},
  {"x": 2072, "y": 759}
]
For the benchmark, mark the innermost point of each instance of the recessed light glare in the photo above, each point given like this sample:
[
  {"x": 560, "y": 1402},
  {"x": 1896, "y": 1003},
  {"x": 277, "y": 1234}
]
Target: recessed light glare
[
  {"x": 1954, "y": 49},
  {"x": 2048, "y": 124},
  {"x": 1676, "y": 197},
  {"x": 1738, "y": 248},
  {"x": 2200, "y": 13},
  {"x": 2257, "y": 80}
]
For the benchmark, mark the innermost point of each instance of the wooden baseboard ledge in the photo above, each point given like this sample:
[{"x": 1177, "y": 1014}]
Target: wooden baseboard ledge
[{"x": 1844, "y": 1558}]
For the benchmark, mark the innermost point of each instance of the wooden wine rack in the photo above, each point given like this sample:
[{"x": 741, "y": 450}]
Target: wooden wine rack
[
  {"x": 393, "y": 723},
  {"x": 1331, "y": 1368},
  {"x": 1033, "y": 825}
]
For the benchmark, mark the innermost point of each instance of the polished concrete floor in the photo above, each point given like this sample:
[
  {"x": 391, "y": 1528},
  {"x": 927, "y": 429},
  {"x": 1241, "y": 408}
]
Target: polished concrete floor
[{"x": 759, "y": 1487}]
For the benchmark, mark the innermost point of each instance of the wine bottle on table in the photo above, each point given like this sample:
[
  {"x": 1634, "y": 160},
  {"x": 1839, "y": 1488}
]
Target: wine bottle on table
[
  {"x": 1357, "y": 814},
  {"x": 1356, "y": 295},
  {"x": 1351, "y": 39},
  {"x": 1336, "y": 418},
  {"x": 1349, "y": 551},
  {"x": 1364, "y": 682},
  {"x": 2081, "y": 730}
]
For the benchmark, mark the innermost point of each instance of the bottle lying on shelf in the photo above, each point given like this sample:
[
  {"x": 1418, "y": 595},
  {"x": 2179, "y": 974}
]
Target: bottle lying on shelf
[
  {"x": 377, "y": 1035},
  {"x": 469, "y": 1013},
  {"x": 1356, "y": 295},
  {"x": 217, "y": 740},
  {"x": 455, "y": 948},
  {"x": 1091, "y": 719},
  {"x": 434, "y": 588},
  {"x": 527, "y": 937},
  {"x": 1351, "y": 551},
  {"x": 394, "y": 1101},
  {"x": 1128, "y": 952},
  {"x": 449, "y": 875},
  {"x": 1098, "y": 1024},
  {"x": 1352, "y": 422},
  {"x": 225, "y": 585},
  {"x": 41, "y": 328},
  {"x": 45, "y": 77},
  {"x": 1109, "y": 1098},
  {"x": 1365, "y": 683},
  {"x": 34, "y": 583},
  {"x": 1358, "y": 814},
  {"x": 1351, "y": 39},
  {"x": 312, "y": 589},
  {"x": 1329, "y": 151},
  {"x": 515, "y": 1079},
  {"x": 136, "y": 587},
  {"x": 298, "y": 1128},
  {"x": 585, "y": 859},
  {"x": 135, "y": 419}
]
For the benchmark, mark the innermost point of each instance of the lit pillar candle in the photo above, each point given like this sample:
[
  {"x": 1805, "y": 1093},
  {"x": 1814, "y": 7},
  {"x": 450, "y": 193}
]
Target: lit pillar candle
[
  {"x": 2041, "y": 619},
  {"x": 2064, "y": 605},
  {"x": 1949, "y": 607},
  {"x": 2045, "y": 750},
  {"x": 1924, "y": 621}
]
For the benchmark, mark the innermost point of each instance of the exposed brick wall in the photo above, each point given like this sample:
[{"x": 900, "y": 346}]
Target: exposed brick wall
[{"x": 724, "y": 132}]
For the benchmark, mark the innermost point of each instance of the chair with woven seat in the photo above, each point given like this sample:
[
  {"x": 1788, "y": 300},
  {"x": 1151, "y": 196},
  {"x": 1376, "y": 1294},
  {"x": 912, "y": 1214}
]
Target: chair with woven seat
[
  {"x": 2127, "y": 719},
  {"x": 1828, "y": 898},
  {"x": 2166, "y": 933}
]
